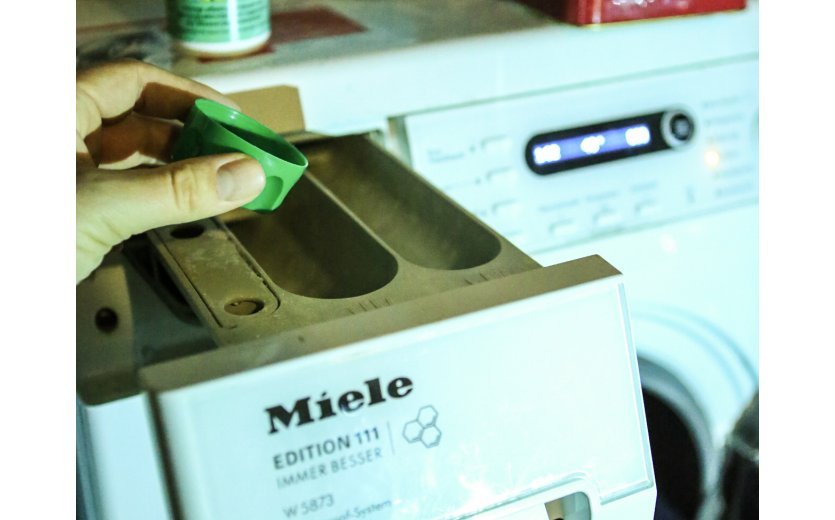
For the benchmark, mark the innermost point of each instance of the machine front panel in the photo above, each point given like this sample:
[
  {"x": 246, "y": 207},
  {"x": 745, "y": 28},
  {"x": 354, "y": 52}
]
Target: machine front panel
[{"x": 443, "y": 421}]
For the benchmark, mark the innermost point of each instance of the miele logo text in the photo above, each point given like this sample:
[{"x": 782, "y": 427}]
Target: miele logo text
[{"x": 349, "y": 402}]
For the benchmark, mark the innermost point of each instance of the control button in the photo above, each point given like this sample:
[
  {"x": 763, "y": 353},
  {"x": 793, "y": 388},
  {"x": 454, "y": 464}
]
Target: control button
[
  {"x": 607, "y": 218},
  {"x": 677, "y": 127},
  {"x": 681, "y": 127},
  {"x": 646, "y": 208},
  {"x": 502, "y": 177},
  {"x": 508, "y": 209},
  {"x": 458, "y": 184},
  {"x": 563, "y": 228},
  {"x": 436, "y": 155},
  {"x": 500, "y": 144},
  {"x": 734, "y": 190}
]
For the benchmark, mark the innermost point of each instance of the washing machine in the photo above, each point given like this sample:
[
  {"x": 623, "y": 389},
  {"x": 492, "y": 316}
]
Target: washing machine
[
  {"x": 637, "y": 142},
  {"x": 656, "y": 172}
]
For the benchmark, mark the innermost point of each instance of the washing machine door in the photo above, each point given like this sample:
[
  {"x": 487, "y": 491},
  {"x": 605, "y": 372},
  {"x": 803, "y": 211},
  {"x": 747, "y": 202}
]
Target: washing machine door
[{"x": 695, "y": 381}]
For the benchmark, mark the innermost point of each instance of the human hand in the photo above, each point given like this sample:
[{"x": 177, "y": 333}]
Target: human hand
[{"x": 127, "y": 115}]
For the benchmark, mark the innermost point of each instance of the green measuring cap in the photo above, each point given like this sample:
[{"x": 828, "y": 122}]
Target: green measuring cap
[{"x": 213, "y": 128}]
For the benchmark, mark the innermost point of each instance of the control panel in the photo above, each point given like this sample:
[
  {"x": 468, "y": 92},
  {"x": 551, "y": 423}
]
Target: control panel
[{"x": 560, "y": 167}]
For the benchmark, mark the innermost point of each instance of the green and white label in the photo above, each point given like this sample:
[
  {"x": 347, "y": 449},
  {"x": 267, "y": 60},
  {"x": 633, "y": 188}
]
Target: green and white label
[{"x": 218, "y": 21}]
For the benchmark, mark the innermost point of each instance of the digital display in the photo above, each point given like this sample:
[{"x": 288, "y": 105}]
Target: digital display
[{"x": 597, "y": 143}]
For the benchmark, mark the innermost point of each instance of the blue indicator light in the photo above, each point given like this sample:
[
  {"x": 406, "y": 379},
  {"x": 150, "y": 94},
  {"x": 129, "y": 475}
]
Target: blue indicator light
[{"x": 587, "y": 145}]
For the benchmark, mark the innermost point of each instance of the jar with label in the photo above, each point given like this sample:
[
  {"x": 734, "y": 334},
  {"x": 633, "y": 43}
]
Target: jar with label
[{"x": 219, "y": 27}]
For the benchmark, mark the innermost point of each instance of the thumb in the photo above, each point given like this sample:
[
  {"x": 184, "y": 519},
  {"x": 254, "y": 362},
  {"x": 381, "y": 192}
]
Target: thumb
[
  {"x": 138, "y": 200},
  {"x": 112, "y": 206}
]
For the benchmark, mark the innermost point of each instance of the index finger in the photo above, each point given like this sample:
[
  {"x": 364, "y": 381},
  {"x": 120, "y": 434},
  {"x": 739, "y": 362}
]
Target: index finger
[{"x": 119, "y": 87}]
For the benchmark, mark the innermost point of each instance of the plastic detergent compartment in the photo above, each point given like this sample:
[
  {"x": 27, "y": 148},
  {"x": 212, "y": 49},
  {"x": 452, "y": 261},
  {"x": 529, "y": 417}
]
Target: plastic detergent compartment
[
  {"x": 358, "y": 232},
  {"x": 408, "y": 214},
  {"x": 311, "y": 247}
]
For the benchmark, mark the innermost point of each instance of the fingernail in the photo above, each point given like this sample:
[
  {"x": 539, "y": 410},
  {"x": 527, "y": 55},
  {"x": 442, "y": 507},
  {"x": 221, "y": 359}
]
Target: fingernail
[{"x": 240, "y": 180}]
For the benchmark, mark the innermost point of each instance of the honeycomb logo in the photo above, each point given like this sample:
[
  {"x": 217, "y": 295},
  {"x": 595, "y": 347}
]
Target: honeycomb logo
[{"x": 424, "y": 428}]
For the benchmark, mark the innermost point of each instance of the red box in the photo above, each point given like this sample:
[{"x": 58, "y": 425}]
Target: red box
[{"x": 588, "y": 12}]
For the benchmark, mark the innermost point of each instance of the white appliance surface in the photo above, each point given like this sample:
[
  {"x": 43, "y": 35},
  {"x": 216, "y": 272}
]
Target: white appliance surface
[
  {"x": 426, "y": 453},
  {"x": 692, "y": 288},
  {"x": 429, "y": 451}
]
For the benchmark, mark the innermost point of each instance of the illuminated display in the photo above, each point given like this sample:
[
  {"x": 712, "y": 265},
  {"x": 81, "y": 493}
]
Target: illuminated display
[
  {"x": 562, "y": 150},
  {"x": 608, "y": 141}
]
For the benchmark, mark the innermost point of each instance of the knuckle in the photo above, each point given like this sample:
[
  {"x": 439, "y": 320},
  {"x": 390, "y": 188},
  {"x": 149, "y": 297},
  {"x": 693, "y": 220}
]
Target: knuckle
[{"x": 186, "y": 188}]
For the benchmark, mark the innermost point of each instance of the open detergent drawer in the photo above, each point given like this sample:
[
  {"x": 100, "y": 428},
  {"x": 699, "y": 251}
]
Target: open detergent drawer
[{"x": 374, "y": 351}]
